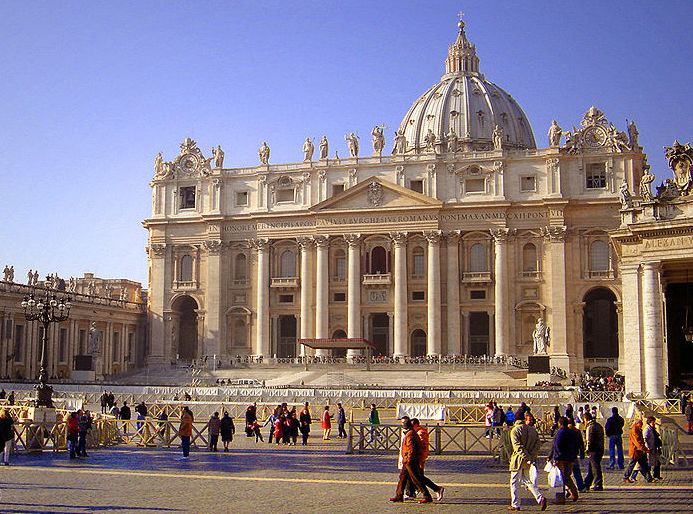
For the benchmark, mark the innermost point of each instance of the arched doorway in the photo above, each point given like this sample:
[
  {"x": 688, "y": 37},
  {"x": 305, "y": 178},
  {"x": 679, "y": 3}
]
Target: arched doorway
[
  {"x": 380, "y": 333},
  {"x": 418, "y": 343},
  {"x": 286, "y": 345},
  {"x": 185, "y": 334},
  {"x": 600, "y": 329},
  {"x": 339, "y": 352}
]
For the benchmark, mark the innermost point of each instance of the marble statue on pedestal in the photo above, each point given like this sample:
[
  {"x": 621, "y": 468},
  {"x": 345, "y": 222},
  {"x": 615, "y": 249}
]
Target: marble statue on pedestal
[{"x": 541, "y": 337}]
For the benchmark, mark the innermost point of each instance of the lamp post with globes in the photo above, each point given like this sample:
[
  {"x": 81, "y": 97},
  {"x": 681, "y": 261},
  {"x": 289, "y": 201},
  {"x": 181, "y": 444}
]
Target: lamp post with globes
[{"x": 46, "y": 310}]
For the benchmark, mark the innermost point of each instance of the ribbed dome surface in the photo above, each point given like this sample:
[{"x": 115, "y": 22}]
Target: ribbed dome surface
[{"x": 469, "y": 104}]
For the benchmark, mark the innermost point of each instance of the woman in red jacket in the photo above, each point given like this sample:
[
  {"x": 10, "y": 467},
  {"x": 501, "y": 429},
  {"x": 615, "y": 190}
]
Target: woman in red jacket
[
  {"x": 72, "y": 434},
  {"x": 326, "y": 423}
]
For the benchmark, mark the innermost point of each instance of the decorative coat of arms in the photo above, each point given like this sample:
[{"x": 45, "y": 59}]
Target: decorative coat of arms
[
  {"x": 375, "y": 194},
  {"x": 596, "y": 134},
  {"x": 680, "y": 159}
]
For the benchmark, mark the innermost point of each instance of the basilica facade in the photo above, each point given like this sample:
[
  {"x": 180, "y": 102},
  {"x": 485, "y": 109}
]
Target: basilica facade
[{"x": 457, "y": 242}]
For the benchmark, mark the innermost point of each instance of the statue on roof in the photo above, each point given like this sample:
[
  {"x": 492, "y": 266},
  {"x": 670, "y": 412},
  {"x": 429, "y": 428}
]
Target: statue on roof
[
  {"x": 430, "y": 140},
  {"x": 264, "y": 153},
  {"x": 324, "y": 147},
  {"x": 308, "y": 149},
  {"x": 626, "y": 198},
  {"x": 633, "y": 135},
  {"x": 646, "y": 185},
  {"x": 353, "y": 144},
  {"x": 497, "y": 138},
  {"x": 218, "y": 154},
  {"x": 378, "y": 140},
  {"x": 400, "y": 143},
  {"x": 555, "y": 133}
]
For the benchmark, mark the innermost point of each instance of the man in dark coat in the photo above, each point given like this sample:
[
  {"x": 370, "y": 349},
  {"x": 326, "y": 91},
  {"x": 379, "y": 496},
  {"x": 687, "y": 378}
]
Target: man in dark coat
[
  {"x": 564, "y": 453},
  {"x": 595, "y": 451},
  {"x": 411, "y": 456},
  {"x": 614, "y": 431}
]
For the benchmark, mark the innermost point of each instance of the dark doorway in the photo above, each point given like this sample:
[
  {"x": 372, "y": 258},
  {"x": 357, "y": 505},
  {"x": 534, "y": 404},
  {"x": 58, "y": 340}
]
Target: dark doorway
[
  {"x": 600, "y": 328},
  {"x": 339, "y": 352},
  {"x": 286, "y": 347},
  {"x": 418, "y": 343},
  {"x": 478, "y": 333},
  {"x": 378, "y": 260},
  {"x": 380, "y": 333},
  {"x": 679, "y": 313},
  {"x": 187, "y": 328}
]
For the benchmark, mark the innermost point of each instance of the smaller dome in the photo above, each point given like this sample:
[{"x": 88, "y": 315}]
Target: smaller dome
[{"x": 464, "y": 107}]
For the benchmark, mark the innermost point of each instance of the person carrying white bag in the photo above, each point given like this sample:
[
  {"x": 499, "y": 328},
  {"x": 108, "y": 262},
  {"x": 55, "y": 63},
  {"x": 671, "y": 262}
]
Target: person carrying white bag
[{"x": 523, "y": 462}]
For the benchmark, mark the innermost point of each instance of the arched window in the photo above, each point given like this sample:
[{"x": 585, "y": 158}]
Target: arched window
[
  {"x": 340, "y": 263},
  {"x": 599, "y": 256},
  {"x": 378, "y": 260},
  {"x": 418, "y": 343},
  {"x": 529, "y": 258},
  {"x": 418, "y": 270},
  {"x": 477, "y": 259},
  {"x": 239, "y": 333},
  {"x": 186, "y": 268},
  {"x": 241, "y": 267},
  {"x": 287, "y": 264}
]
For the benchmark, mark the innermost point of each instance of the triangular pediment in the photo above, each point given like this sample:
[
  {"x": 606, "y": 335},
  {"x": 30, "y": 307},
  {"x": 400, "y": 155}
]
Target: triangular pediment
[{"x": 376, "y": 193}]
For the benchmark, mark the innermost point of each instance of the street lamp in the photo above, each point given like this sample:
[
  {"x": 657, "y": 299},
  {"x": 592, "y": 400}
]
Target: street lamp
[{"x": 45, "y": 310}]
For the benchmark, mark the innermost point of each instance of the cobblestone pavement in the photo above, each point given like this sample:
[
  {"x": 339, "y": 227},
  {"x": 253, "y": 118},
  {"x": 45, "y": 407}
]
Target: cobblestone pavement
[{"x": 292, "y": 479}]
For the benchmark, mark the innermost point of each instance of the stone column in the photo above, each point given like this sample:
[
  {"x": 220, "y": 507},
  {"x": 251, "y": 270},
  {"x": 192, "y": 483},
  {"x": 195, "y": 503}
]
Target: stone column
[
  {"x": 322, "y": 291},
  {"x": 213, "y": 331},
  {"x": 433, "y": 341},
  {"x": 400, "y": 299},
  {"x": 502, "y": 325},
  {"x": 305, "y": 244},
  {"x": 354, "y": 288},
  {"x": 652, "y": 329},
  {"x": 632, "y": 329},
  {"x": 159, "y": 338},
  {"x": 453, "y": 293},
  {"x": 558, "y": 348},
  {"x": 262, "y": 333}
]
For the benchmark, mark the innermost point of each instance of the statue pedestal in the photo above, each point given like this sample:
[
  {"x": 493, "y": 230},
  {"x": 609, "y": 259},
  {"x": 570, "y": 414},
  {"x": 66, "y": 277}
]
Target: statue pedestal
[
  {"x": 538, "y": 370},
  {"x": 43, "y": 420}
]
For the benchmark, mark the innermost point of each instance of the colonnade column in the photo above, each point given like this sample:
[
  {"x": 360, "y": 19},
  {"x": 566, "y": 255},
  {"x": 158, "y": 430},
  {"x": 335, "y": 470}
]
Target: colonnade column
[
  {"x": 433, "y": 341},
  {"x": 400, "y": 300},
  {"x": 631, "y": 361},
  {"x": 558, "y": 348},
  {"x": 305, "y": 244},
  {"x": 159, "y": 334},
  {"x": 453, "y": 294},
  {"x": 213, "y": 330},
  {"x": 652, "y": 329},
  {"x": 262, "y": 333},
  {"x": 354, "y": 288},
  {"x": 322, "y": 290},
  {"x": 502, "y": 336}
]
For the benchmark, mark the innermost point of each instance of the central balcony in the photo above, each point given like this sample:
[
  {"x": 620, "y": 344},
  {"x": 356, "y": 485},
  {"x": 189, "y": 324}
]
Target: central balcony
[
  {"x": 476, "y": 277},
  {"x": 284, "y": 282},
  {"x": 377, "y": 279}
]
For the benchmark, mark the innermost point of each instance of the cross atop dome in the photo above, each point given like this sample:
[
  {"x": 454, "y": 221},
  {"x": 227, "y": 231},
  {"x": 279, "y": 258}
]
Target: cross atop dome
[{"x": 462, "y": 56}]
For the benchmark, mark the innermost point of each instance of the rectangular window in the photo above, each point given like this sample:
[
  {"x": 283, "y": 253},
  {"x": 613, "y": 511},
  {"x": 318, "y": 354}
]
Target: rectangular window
[
  {"x": 285, "y": 195},
  {"x": 187, "y": 197},
  {"x": 528, "y": 184},
  {"x": 341, "y": 263},
  {"x": 477, "y": 294},
  {"x": 8, "y": 329},
  {"x": 116, "y": 346},
  {"x": 62, "y": 345},
  {"x": 475, "y": 185},
  {"x": 417, "y": 185},
  {"x": 286, "y": 298},
  {"x": 19, "y": 343},
  {"x": 337, "y": 188},
  {"x": 418, "y": 296},
  {"x": 339, "y": 297},
  {"x": 131, "y": 344},
  {"x": 242, "y": 198},
  {"x": 596, "y": 176},
  {"x": 82, "y": 342},
  {"x": 419, "y": 264}
]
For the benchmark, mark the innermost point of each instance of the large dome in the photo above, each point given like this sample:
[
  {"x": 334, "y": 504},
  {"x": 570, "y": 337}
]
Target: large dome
[{"x": 467, "y": 103}]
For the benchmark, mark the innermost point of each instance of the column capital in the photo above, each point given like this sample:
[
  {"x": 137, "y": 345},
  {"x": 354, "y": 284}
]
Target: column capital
[
  {"x": 452, "y": 236},
  {"x": 652, "y": 265},
  {"x": 157, "y": 249},
  {"x": 555, "y": 234},
  {"x": 213, "y": 246},
  {"x": 322, "y": 241},
  {"x": 399, "y": 238},
  {"x": 502, "y": 235},
  {"x": 433, "y": 237},
  {"x": 260, "y": 244},
  {"x": 352, "y": 239},
  {"x": 305, "y": 243}
]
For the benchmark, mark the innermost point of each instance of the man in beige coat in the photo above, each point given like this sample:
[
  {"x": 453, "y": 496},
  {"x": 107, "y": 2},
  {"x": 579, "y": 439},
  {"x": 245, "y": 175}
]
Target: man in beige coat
[{"x": 525, "y": 441}]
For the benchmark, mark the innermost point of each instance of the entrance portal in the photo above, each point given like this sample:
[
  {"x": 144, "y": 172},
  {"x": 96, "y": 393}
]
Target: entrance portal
[
  {"x": 679, "y": 314},
  {"x": 186, "y": 332},
  {"x": 418, "y": 343},
  {"x": 380, "y": 333},
  {"x": 600, "y": 329},
  {"x": 339, "y": 352},
  {"x": 286, "y": 346},
  {"x": 478, "y": 333}
]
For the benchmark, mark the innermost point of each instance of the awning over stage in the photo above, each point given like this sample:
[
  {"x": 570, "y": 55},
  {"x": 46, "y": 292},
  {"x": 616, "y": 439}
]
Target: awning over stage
[{"x": 346, "y": 343}]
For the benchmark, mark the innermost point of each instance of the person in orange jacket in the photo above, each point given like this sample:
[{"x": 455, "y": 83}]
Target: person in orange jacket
[
  {"x": 637, "y": 451},
  {"x": 422, "y": 432},
  {"x": 185, "y": 431}
]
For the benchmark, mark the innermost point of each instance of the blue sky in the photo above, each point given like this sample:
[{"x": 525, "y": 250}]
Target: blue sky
[{"x": 91, "y": 91}]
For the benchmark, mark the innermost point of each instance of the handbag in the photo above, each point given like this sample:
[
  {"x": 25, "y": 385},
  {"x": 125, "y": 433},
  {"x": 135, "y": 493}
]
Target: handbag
[
  {"x": 533, "y": 473},
  {"x": 555, "y": 477}
]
